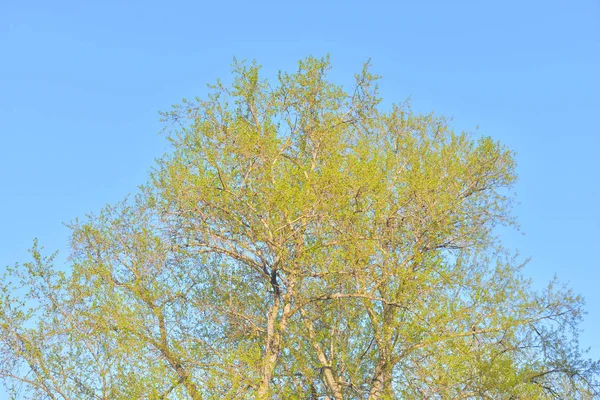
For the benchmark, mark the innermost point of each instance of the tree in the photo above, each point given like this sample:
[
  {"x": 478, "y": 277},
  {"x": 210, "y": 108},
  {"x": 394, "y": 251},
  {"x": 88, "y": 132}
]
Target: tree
[{"x": 298, "y": 242}]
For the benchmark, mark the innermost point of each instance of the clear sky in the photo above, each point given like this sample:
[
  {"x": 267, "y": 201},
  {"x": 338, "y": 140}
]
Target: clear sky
[{"x": 81, "y": 84}]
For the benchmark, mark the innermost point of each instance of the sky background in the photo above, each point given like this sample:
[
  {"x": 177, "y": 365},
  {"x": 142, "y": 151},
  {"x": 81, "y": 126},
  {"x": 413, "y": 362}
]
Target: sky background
[{"x": 81, "y": 84}]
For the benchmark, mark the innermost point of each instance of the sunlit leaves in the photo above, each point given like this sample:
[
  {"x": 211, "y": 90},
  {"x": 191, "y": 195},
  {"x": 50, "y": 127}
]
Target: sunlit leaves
[{"x": 298, "y": 241}]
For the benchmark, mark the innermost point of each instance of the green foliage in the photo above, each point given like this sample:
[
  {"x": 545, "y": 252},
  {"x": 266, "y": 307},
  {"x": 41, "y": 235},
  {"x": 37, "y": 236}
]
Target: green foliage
[{"x": 297, "y": 242}]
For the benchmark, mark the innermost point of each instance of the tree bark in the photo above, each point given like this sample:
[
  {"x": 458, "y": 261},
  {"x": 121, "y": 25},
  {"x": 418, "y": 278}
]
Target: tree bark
[
  {"x": 330, "y": 379},
  {"x": 381, "y": 386},
  {"x": 381, "y": 381},
  {"x": 275, "y": 331},
  {"x": 271, "y": 351}
]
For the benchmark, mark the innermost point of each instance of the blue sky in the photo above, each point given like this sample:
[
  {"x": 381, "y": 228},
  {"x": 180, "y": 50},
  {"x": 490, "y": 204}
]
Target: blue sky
[{"x": 81, "y": 84}]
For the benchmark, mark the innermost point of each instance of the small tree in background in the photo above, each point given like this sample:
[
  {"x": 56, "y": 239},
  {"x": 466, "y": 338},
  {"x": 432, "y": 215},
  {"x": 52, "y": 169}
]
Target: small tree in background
[{"x": 297, "y": 243}]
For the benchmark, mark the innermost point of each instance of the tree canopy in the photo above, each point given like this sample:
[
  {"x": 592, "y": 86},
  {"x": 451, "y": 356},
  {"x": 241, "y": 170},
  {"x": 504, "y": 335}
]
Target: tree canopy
[{"x": 299, "y": 241}]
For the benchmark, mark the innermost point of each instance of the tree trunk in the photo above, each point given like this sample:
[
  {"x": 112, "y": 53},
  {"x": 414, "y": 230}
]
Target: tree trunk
[
  {"x": 274, "y": 340},
  {"x": 330, "y": 379},
  {"x": 271, "y": 352},
  {"x": 382, "y": 378},
  {"x": 381, "y": 382}
]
